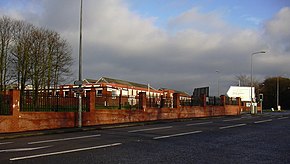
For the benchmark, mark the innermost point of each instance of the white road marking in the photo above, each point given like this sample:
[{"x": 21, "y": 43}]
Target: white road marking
[
  {"x": 5, "y": 143},
  {"x": 64, "y": 152},
  {"x": 199, "y": 123},
  {"x": 64, "y": 139},
  {"x": 23, "y": 149},
  {"x": 158, "y": 128},
  {"x": 232, "y": 126},
  {"x": 246, "y": 117},
  {"x": 257, "y": 122},
  {"x": 232, "y": 119},
  {"x": 282, "y": 118},
  {"x": 175, "y": 135}
]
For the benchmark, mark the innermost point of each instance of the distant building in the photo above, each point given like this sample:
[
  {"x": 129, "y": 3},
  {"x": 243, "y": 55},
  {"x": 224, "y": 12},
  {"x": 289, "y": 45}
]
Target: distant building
[{"x": 108, "y": 89}]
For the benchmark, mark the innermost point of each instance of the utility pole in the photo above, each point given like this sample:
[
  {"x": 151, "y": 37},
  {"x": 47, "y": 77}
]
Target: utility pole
[
  {"x": 252, "y": 107},
  {"x": 80, "y": 68}
]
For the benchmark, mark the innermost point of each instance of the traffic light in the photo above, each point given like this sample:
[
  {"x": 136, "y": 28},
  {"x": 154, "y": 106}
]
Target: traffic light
[{"x": 261, "y": 97}]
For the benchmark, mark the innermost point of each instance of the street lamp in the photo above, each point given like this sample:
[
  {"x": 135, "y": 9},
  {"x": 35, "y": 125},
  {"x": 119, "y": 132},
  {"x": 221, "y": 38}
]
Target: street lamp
[
  {"x": 258, "y": 52},
  {"x": 278, "y": 87},
  {"x": 218, "y": 83},
  {"x": 80, "y": 68}
]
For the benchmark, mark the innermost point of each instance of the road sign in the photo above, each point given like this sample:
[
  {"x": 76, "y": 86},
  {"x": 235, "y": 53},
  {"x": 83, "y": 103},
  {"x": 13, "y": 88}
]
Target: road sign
[
  {"x": 78, "y": 83},
  {"x": 243, "y": 92}
]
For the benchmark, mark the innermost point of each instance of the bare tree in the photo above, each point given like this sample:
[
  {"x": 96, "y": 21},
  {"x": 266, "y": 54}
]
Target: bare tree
[
  {"x": 6, "y": 36},
  {"x": 245, "y": 80},
  {"x": 39, "y": 57}
]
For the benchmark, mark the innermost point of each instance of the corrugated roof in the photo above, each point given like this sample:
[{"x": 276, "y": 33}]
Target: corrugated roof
[
  {"x": 90, "y": 81},
  {"x": 117, "y": 81},
  {"x": 176, "y": 91}
]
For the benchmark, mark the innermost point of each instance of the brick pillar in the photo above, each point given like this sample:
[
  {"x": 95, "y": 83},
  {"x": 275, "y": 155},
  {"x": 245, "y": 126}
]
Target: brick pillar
[
  {"x": 176, "y": 100},
  {"x": 223, "y": 100},
  {"x": 91, "y": 100},
  {"x": 203, "y": 100},
  {"x": 15, "y": 102},
  {"x": 142, "y": 100}
]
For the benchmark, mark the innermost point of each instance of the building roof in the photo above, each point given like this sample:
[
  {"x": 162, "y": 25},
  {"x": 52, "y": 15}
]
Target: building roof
[
  {"x": 128, "y": 83},
  {"x": 176, "y": 91},
  {"x": 117, "y": 81},
  {"x": 90, "y": 81}
]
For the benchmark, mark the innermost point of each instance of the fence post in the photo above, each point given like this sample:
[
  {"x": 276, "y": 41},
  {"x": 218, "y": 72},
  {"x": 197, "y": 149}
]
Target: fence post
[
  {"x": 223, "y": 100},
  {"x": 15, "y": 102},
  {"x": 162, "y": 101},
  {"x": 120, "y": 99},
  {"x": 91, "y": 99},
  {"x": 142, "y": 100},
  {"x": 239, "y": 104},
  {"x": 203, "y": 100},
  {"x": 176, "y": 100}
]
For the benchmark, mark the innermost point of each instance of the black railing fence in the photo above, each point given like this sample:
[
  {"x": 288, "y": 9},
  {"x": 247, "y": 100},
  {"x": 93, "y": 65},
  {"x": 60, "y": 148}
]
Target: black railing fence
[
  {"x": 216, "y": 101},
  {"x": 50, "y": 101},
  {"x": 116, "y": 102},
  {"x": 66, "y": 100},
  {"x": 5, "y": 101}
]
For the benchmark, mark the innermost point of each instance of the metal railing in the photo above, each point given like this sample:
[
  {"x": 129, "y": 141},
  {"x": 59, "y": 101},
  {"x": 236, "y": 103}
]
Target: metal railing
[
  {"x": 47, "y": 101},
  {"x": 231, "y": 101},
  {"x": 215, "y": 101},
  {"x": 5, "y": 104},
  {"x": 116, "y": 102}
]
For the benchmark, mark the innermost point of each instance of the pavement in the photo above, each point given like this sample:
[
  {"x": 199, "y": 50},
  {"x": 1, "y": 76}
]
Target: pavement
[{"x": 101, "y": 127}]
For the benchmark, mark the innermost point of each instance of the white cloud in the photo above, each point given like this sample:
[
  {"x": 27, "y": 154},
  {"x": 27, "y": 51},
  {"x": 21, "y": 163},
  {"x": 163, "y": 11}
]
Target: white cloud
[
  {"x": 194, "y": 19},
  {"x": 122, "y": 44},
  {"x": 277, "y": 31}
]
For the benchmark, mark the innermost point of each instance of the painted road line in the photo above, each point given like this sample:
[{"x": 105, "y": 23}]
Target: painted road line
[
  {"x": 23, "y": 149},
  {"x": 6, "y": 143},
  {"x": 148, "y": 129},
  {"x": 64, "y": 139},
  {"x": 64, "y": 152},
  {"x": 257, "y": 122},
  {"x": 232, "y": 126},
  {"x": 282, "y": 118},
  {"x": 176, "y": 135},
  {"x": 199, "y": 123},
  {"x": 235, "y": 119}
]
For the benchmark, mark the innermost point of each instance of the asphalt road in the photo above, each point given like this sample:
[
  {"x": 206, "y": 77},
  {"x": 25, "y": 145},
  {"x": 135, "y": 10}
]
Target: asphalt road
[{"x": 242, "y": 139}]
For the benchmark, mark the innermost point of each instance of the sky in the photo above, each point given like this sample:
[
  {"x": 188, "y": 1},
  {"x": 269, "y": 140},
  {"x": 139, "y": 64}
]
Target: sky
[{"x": 177, "y": 44}]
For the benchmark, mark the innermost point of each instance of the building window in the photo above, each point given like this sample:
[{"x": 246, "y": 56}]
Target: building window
[{"x": 99, "y": 93}]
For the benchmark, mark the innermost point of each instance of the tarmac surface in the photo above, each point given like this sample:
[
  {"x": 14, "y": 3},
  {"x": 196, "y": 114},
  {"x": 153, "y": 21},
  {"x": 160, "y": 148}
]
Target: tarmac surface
[{"x": 111, "y": 126}]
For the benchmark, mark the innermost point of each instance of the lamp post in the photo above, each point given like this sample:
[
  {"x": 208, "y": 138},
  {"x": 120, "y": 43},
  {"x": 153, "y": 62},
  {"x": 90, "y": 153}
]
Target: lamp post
[
  {"x": 218, "y": 83},
  {"x": 258, "y": 52},
  {"x": 278, "y": 87},
  {"x": 80, "y": 68}
]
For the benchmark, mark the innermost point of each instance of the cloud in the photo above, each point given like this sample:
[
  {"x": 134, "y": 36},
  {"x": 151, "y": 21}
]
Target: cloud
[
  {"x": 122, "y": 44},
  {"x": 277, "y": 31},
  {"x": 194, "y": 19}
]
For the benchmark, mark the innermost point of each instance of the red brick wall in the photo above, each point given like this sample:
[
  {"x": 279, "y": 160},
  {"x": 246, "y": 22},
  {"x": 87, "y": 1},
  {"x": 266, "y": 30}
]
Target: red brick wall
[{"x": 27, "y": 121}]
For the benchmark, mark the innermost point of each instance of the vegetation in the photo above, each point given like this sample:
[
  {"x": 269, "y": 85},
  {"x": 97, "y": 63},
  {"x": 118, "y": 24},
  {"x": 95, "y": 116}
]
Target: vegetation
[
  {"x": 269, "y": 90},
  {"x": 31, "y": 55}
]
